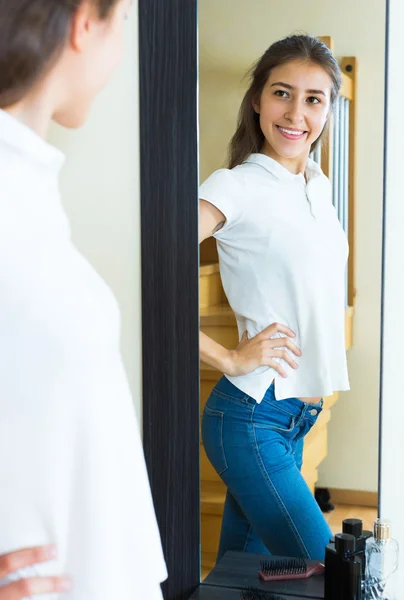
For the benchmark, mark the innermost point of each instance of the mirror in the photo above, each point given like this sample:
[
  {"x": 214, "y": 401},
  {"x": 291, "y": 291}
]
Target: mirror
[{"x": 341, "y": 439}]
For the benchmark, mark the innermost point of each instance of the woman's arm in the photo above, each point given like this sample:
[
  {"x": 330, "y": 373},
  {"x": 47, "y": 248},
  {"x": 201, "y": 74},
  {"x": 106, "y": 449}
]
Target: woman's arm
[
  {"x": 250, "y": 354},
  {"x": 211, "y": 220}
]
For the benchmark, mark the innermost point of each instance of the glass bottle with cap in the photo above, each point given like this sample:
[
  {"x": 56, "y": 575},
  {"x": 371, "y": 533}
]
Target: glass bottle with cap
[{"x": 381, "y": 563}]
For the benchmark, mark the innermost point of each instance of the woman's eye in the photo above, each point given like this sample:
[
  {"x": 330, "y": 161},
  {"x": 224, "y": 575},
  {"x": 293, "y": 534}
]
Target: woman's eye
[
  {"x": 281, "y": 94},
  {"x": 313, "y": 100}
]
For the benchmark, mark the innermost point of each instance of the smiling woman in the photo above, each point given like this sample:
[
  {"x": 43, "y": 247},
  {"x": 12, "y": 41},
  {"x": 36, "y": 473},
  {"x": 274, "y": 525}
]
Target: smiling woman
[
  {"x": 270, "y": 213},
  {"x": 307, "y": 63},
  {"x": 295, "y": 113}
]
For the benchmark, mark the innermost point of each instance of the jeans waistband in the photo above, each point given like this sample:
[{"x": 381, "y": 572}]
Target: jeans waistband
[{"x": 291, "y": 406}]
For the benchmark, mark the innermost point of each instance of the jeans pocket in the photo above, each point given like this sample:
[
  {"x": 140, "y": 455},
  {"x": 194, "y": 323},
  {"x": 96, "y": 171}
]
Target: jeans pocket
[{"x": 212, "y": 437}]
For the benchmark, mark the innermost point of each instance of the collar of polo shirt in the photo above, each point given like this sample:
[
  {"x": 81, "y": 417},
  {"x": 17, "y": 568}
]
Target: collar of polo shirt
[{"x": 281, "y": 172}]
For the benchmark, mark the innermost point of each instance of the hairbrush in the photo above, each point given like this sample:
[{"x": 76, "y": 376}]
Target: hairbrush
[
  {"x": 281, "y": 569},
  {"x": 255, "y": 594}
]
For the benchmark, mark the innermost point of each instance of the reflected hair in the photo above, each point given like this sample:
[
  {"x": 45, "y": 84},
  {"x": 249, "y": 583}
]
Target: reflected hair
[
  {"x": 249, "y": 138},
  {"x": 32, "y": 36}
]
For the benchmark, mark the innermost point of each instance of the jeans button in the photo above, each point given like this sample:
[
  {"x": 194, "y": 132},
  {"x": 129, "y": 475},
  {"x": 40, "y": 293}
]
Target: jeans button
[{"x": 313, "y": 412}]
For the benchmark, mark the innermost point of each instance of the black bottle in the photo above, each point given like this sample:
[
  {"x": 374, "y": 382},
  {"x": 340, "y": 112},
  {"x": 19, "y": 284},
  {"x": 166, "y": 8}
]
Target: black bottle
[
  {"x": 355, "y": 527},
  {"x": 343, "y": 576}
]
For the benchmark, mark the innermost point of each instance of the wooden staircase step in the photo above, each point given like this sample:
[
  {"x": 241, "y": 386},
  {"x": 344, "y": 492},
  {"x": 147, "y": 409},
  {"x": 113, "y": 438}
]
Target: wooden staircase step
[
  {"x": 210, "y": 533},
  {"x": 219, "y": 323},
  {"x": 210, "y": 285},
  {"x": 209, "y": 373},
  {"x": 220, "y": 315},
  {"x": 208, "y": 563},
  {"x": 213, "y": 495}
]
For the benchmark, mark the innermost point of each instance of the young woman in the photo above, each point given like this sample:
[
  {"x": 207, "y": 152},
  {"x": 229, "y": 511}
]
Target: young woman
[
  {"x": 73, "y": 472},
  {"x": 283, "y": 257}
]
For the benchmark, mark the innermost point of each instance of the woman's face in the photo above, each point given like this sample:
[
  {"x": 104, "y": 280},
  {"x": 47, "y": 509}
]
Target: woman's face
[
  {"x": 93, "y": 54},
  {"x": 294, "y": 108}
]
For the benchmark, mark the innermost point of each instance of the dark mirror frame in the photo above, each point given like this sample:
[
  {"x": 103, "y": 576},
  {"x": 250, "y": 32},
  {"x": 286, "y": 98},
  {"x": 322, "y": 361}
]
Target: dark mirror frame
[
  {"x": 168, "y": 63},
  {"x": 170, "y": 279}
]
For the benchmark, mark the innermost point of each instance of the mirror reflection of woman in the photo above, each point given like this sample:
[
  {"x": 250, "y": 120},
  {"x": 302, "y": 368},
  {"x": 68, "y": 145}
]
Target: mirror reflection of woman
[{"x": 283, "y": 255}]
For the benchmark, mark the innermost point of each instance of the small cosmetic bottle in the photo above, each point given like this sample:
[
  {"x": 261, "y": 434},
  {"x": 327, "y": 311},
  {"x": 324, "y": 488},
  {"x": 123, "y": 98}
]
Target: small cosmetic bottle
[
  {"x": 343, "y": 569},
  {"x": 355, "y": 527},
  {"x": 381, "y": 563}
]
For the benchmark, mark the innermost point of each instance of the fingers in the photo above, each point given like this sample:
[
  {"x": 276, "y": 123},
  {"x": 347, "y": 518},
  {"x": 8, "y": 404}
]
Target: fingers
[
  {"x": 9, "y": 563},
  {"x": 276, "y": 367},
  {"x": 279, "y": 348},
  {"x": 285, "y": 343},
  {"x": 34, "y": 586},
  {"x": 24, "y": 558},
  {"x": 286, "y": 357},
  {"x": 277, "y": 328}
]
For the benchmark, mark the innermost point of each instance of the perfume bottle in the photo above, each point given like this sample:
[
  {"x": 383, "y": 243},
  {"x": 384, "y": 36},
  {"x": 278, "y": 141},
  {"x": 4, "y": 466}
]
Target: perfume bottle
[
  {"x": 381, "y": 563},
  {"x": 343, "y": 574},
  {"x": 355, "y": 527}
]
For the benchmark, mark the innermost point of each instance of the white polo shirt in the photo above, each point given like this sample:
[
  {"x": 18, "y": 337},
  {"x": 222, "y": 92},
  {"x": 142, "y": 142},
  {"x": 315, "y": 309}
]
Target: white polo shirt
[
  {"x": 283, "y": 256},
  {"x": 72, "y": 471}
]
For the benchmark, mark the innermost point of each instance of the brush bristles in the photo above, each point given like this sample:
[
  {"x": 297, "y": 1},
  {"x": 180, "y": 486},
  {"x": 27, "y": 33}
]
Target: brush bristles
[
  {"x": 284, "y": 566},
  {"x": 254, "y": 594}
]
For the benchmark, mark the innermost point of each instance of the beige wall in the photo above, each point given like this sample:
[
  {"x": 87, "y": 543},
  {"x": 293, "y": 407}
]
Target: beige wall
[
  {"x": 100, "y": 188},
  {"x": 232, "y": 36}
]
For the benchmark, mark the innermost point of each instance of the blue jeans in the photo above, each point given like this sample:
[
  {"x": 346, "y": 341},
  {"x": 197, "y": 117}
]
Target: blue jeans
[{"x": 257, "y": 451}]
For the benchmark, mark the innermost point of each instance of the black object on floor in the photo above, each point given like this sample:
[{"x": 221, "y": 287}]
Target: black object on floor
[{"x": 323, "y": 497}]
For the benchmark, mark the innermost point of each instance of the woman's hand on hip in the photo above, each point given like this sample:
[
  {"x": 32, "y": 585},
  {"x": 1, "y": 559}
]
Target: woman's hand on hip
[
  {"x": 262, "y": 349},
  {"x": 9, "y": 563}
]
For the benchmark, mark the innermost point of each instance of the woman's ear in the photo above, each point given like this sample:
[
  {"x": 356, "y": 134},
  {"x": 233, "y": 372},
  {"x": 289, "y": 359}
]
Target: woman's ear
[
  {"x": 256, "y": 106},
  {"x": 84, "y": 18}
]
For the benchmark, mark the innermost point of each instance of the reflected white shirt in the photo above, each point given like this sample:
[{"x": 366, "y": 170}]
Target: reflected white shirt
[
  {"x": 72, "y": 471},
  {"x": 283, "y": 256}
]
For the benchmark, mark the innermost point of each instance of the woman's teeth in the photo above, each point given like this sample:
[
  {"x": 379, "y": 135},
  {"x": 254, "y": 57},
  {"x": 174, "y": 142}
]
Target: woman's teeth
[{"x": 292, "y": 132}]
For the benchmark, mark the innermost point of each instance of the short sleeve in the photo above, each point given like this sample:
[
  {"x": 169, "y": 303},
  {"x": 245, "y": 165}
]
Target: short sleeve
[{"x": 224, "y": 190}]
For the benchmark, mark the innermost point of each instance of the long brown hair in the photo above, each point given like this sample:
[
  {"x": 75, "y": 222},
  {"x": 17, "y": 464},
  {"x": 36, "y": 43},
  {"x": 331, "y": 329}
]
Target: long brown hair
[
  {"x": 32, "y": 33},
  {"x": 249, "y": 138}
]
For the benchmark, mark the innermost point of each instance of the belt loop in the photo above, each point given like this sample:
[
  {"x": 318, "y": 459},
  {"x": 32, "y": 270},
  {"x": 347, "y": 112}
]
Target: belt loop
[{"x": 304, "y": 410}]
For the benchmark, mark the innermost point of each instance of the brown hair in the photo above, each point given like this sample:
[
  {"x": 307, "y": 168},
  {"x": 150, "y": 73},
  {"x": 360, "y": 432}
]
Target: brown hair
[
  {"x": 32, "y": 34},
  {"x": 249, "y": 138}
]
